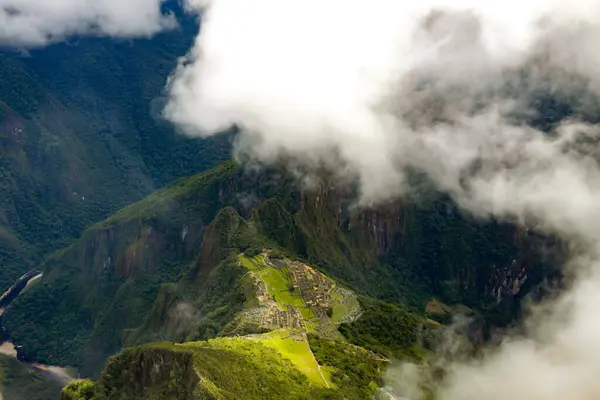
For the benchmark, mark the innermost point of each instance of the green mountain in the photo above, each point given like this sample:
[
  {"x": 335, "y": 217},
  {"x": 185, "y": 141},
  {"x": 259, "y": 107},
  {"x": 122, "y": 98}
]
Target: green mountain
[
  {"x": 81, "y": 137},
  {"x": 234, "y": 252},
  {"x": 234, "y": 368}
]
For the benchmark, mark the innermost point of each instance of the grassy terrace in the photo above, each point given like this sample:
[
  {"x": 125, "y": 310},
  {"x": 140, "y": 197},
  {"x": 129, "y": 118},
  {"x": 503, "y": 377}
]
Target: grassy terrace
[
  {"x": 296, "y": 349},
  {"x": 279, "y": 284}
]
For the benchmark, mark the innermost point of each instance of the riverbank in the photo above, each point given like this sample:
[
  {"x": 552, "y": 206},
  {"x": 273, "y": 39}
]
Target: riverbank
[
  {"x": 21, "y": 382},
  {"x": 63, "y": 375}
]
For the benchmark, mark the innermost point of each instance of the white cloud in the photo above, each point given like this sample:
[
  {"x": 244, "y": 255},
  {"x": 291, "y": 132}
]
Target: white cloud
[
  {"x": 302, "y": 77},
  {"x": 30, "y": 23},
  {"x": 374, "y": 88}
]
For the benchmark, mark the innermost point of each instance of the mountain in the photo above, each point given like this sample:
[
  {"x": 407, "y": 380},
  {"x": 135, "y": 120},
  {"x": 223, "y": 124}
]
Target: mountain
[
  {"x": 228, "y": 253},
  {"x": 171, "y": 273},
  {"x": 235, "y": 368},
  {"x": 81, "y": 137}
]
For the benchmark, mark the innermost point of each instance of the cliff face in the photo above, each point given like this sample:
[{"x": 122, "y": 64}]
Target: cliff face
[
  {"x": 405, "y": 253},
  {"x": 430, "y": 243},
  {"x": 158, "y": 372},
  {"x": 137, "y": 372}
]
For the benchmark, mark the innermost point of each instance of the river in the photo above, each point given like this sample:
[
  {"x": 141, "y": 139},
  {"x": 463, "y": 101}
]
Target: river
[{"x": 61, "y": 374}]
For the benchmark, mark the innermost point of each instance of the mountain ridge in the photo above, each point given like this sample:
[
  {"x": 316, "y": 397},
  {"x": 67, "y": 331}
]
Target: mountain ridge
[{"x": 183, "y": 242}]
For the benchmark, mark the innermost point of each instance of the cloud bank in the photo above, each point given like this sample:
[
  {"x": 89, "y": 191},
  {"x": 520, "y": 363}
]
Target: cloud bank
[
  {"x": 451, "y": 88},
  {"x": 30, "y": 23}
]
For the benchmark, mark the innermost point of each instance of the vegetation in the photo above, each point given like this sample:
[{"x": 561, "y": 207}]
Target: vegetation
[
  {"x": 226, "y": 368},
  {"x": 80, "y": 390},
  {"x": 108, "y": 289},
  {"x": 356, "y": 372},
  {"x": 385, "y": 329},
  {"x": 295, "y": 348},
  {"x": 81, "y": 136},
  {"x": 19, "y": 382},
  {"x": 277, "y": 281},
  {"x": 66, "y": 321}
]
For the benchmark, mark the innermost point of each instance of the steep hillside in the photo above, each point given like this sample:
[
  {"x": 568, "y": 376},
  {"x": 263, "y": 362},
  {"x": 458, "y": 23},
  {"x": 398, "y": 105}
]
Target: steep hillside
[
  {"x": 171, "y": 265},
  {"x": 81, "y": 136},
  {"x": 226, "y": 368},
  {"x": 269, "y": 292},
  {"x": 19, "y": 382}
]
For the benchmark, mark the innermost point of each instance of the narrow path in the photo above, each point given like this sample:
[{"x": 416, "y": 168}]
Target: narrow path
[
  {"x": 320, "y": 372},
  {"x": 315, "y": 358}
]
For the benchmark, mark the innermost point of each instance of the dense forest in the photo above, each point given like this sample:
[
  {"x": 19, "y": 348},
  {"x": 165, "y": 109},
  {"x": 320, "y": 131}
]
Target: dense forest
[{"x": 81, "y": 135}]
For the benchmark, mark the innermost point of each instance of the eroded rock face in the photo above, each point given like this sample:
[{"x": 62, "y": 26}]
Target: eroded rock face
[
  {"x": 139, "y": 371},
  {"x": 507, "y": 281},
  {"x": 452, "y": 252}
]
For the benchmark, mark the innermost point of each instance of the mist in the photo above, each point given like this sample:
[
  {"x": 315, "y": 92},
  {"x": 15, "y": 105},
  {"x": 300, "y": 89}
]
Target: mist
[
  {"x": 32, "y": 23},
  {"x": 374, "y": 90}
]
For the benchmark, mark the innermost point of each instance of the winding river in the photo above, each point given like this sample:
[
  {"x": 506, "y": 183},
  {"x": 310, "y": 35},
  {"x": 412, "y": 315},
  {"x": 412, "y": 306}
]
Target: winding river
[{"x": 60, "y": 374}]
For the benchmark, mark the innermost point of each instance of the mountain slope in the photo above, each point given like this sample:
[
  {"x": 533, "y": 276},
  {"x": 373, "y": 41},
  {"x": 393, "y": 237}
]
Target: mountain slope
[
  {"x": 20, "y": 382},
  {"x": 176, "y": 254},
  {"x": 81, "y": 136},
  {"x": 227, "y": 368}
]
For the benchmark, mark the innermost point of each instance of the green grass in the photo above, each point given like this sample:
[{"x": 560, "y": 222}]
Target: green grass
[
  {"x": 279, "y": 288},
  {"x": 278, "y": 284},
  {"x": 307, "y": 313},
  {"x": 247, "y": 263},
  {"x": 296, "y": 349},
  {"x": 271, "y": 366}
]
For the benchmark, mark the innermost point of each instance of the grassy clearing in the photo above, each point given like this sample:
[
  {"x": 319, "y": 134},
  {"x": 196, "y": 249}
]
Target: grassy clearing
[
  {"x": 247, "y": 263},
  {"x": 228, "y": 368},
  {"x": 279, "y": 284},
  {"x": 307, "y": 313},
  {"x": 297, "y": 350},
  {"x": 279, "y": 287}
]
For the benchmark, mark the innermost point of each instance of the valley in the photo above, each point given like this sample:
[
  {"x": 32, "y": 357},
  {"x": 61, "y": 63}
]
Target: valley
[
  {"x": 48, "y": 376},
  {"x": 209, "y": 200},
  {"x": 81, "y": 137}
]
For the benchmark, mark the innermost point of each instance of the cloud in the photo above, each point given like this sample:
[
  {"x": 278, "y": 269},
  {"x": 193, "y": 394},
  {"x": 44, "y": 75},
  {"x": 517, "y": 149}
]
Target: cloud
[
  {"x": 30, "y": 23},
  {"x": 309, "y": 79},
  {"x": 455, "y": 89},
  {"x": 556, "y": 359}
]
